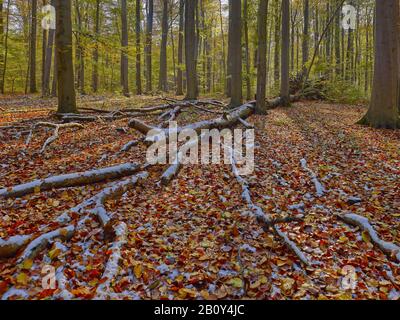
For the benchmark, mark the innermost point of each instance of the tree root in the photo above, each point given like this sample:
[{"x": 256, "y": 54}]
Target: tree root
[
  {"x": 55, "y": 135},
  {"x": 71, "y": 180},
  {"x": 363, "y": 223}
]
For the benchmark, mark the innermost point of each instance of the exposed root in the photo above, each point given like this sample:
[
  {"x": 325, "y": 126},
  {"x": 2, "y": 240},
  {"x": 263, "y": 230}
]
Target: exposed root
[
  {"x": 363, "y": 223},
  {"x": 71, "y": 180},
  {"x": 55, "y": 135}
]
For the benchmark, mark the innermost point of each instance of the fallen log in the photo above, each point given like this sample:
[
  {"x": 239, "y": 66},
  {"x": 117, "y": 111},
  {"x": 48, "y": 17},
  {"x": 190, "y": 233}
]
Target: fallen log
[
  {"x": 71, "y": 180},
  {"x": 8, "y": 248}
]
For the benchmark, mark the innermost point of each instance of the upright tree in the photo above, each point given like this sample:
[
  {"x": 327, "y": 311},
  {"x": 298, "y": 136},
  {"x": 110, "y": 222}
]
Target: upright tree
[
  {"x": 190, "y": 50},
  {"x": 32, "y": 48},
  {"x": 149, "y": 45},
  {"x": 179, "y": 87},
  {"x": 124, "y": 49},
  {"x": 95, "y": 71},
  {"x": 262, "y": 56},
  {"x": 48, "y": 60},
  {"x": 163, "y": 76},
  {"x": 236, "y": 53},
  {"x": 65, "y": 68},
  {"x": 306, "y": 35},
  {"x": 384, "y": 106},
  {"x": 285, "y": 54},
  {"x": 138, "y": 48}
]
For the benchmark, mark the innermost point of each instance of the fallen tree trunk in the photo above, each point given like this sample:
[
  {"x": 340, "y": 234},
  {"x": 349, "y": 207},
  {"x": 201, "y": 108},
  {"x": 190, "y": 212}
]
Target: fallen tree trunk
[{"x": 71, "y": 180}]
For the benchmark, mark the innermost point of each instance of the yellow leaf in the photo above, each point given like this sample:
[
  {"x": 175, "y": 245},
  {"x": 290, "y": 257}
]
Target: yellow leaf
[
  {"x": 36, "y": 189},
  {"x": 27, "y": 264},
  {"x": 287, "y": 284},
  {"x": 138, "y": 271},
  {"x": 343, "y": 239},
  {"x": 55, "y": 203},
  {"x": 64, "y": 232},
  {"x": 236, "y": 282},
  {"x": 366, "y": 237},
  {"x": 255, "y": 285},
  {"x": 22, "y": 279},
  {"x": 54, "y": 253}
]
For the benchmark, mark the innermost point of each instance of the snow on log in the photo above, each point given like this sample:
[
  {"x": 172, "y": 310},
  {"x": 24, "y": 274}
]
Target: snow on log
[
  {"x": 363, "y": 223},
  {"x": 42, "y": 241},
  {"x": 71, "y": 180},
  {"x": 112, "y": 266},
  {"x": 8, "y": 248},
  {"x": 319, "y": 188},
  {"x": 262, "y": 218}
]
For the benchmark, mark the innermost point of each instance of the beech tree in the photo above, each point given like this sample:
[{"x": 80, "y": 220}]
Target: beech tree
[
  {"x": 65, "y": 68},
  {"x": 190, "y": 50},
  {"x": 124, "y": 49},
  {"x": 285, "y": 53},
  {"x": 385, "y": 101},
  {"x": 236, "y": 53}
]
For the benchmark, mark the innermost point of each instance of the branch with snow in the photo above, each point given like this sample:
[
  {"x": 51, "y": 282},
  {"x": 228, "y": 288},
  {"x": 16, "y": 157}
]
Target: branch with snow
[
  {"x": 364, "y": 224},
  {"x": 55, "y": 135},
  {"x": 319, "y": 188}
]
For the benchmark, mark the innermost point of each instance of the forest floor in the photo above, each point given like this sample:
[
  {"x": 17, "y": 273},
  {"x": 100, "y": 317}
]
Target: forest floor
[{"x": 194, "y": 239}]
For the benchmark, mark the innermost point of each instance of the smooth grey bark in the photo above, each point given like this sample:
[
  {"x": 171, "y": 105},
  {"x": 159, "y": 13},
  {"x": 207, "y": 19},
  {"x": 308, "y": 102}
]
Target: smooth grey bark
[
  {"x": 190, "y": 50},
  {"x": 163, "y": 76},
  {"x": 262, "y": 56},
  {"x": 65, "y": 68},
  {"x": 124, "y": 49},
  {"x": 149, "y": 45},
  {"x": 285, "y": 54},
  {"x": 236, "y": 54},
  {"x": 95, "y": 71},
  {"x": 32, "y": 50},
  {"x": 179, "y": 86},
  {"x": 384, "y": 106},
  {"x": 138, "y": 49}
]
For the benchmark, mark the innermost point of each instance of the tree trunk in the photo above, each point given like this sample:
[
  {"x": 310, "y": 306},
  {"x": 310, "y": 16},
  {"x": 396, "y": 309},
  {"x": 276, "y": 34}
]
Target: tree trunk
[
  {"x": 179, "y": 90},
  {"x": 148, "y": 48},
  {"x": 246, "y": 37},
  {"x": 124, "y": 49},
  {"x": 236, "y": 43},
  {"x": 384, "y": 107},
  {"x": 95, "y": 71},
  {"x": 262, "y": 56},
  {"x": 190, "y": 50},
  {"x": 65, "y": 70},
  {"x": 306, "y": 35},
  {"x": 285, "y": 94},
  {"x": 138, "y": 49},
  {"x": 32, "y": 54},
  {"x": 48, "y": 60},
  {"x": 163, "y": 76}
]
